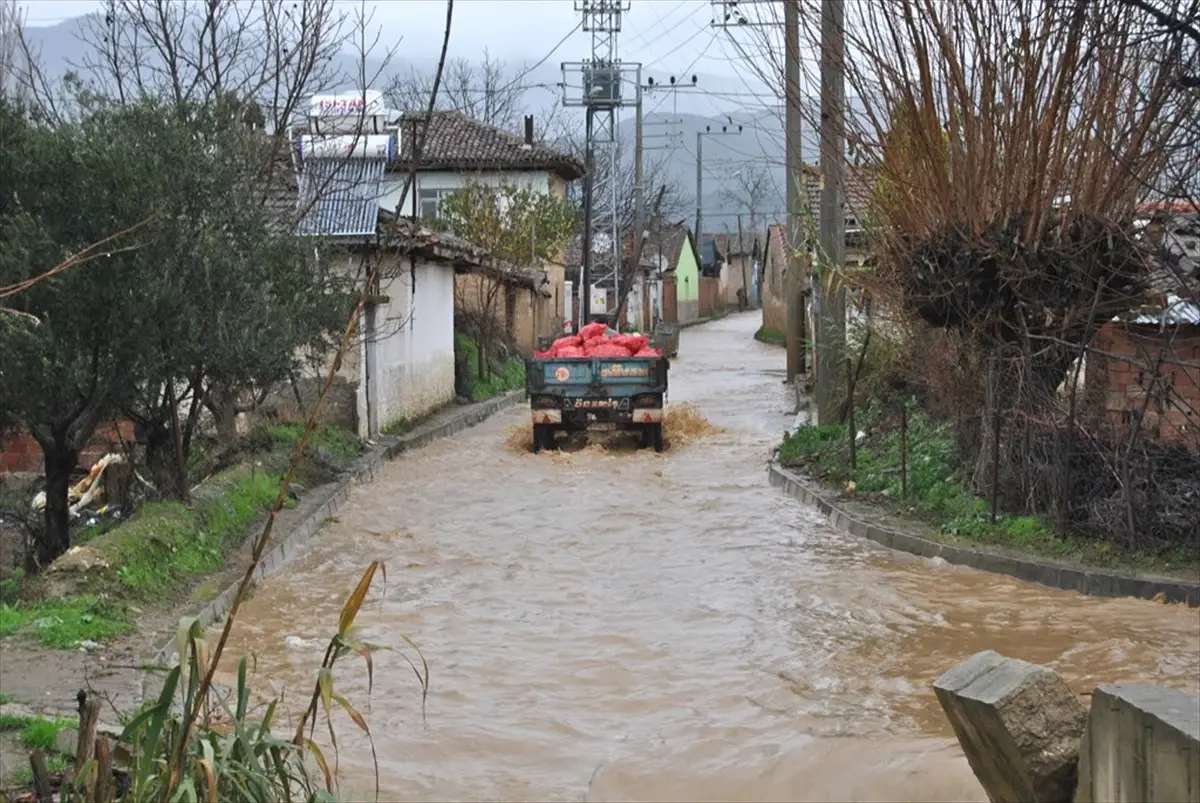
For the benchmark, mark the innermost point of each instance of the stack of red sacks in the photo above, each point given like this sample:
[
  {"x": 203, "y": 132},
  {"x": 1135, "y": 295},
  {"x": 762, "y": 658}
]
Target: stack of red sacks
[{"x": 593, "y": 341}]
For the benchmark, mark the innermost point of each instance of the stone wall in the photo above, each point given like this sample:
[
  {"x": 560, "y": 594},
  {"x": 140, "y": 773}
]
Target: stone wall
[
  {"x": 1028, "y": 737},
  {"x": 282, "y": 407}
]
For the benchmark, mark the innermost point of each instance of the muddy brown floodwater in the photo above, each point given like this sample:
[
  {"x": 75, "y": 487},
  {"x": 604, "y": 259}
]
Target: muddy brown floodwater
[{"x": 619, "y": 625}]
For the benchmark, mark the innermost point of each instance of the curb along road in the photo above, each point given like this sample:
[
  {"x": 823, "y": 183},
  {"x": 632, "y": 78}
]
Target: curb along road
[
  {"x": 1092, "y": 582},
  {"x": 361, "y": 472}
]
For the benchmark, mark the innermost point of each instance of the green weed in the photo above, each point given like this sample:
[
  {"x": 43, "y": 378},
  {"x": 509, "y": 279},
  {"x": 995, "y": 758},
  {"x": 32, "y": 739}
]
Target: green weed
[
  {"x": 42, "y": 734},
  {"x": 36, "y": 732},
  {"x": 167, "y": 540},
  {"x": 333, "y": 440},
  {"x": 508, "y": 376},
  {"x": 55, "y": 764},
  {"x": 937, "y": 488},
  {"x": 64, "y": 623},
  {"x": 772, "y": 337}
]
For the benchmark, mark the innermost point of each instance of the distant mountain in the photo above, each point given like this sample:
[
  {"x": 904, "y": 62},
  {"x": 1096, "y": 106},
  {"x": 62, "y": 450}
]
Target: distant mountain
[{"x": 673, "y": 119}]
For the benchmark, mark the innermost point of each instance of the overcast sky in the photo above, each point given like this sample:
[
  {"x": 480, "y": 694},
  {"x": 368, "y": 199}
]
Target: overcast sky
[{"x": 667, "y": 36}]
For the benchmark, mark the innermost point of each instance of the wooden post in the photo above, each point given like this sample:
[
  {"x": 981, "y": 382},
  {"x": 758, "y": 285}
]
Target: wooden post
[
  {"x": 89, "y": 717},
  {"x": 103, "y": 789},
  {"x": 904, "y": 450},
  {"x": 41, "y": 777},
  {"x": 995, "y": 461},
  {"x": 850, "y": 415}
]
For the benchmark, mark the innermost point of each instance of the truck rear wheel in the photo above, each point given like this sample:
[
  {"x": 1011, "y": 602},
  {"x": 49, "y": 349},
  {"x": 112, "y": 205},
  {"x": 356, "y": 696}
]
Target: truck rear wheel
[
  {"x": 543, "y": 437},
  {"x": 652, "y": 435}
]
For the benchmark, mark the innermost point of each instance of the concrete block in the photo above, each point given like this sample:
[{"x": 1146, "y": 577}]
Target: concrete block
[
  {"x": 1018, "y": 724},
  {"x": 1142, "y": 743}
]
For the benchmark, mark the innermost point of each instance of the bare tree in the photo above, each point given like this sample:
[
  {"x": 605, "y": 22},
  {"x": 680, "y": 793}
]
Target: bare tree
[
  {"x": 12, "y": 56},
  {"x": 490, "y": 90},
  {"x": 752, "y": 186},
  {"x": 270, "y": 53}
]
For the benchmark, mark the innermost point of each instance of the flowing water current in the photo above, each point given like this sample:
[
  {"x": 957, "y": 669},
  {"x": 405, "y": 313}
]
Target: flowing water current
[{"x": 619, "y": 625}]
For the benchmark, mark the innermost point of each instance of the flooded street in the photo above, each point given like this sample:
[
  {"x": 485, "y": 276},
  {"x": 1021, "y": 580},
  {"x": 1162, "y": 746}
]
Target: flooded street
[{"x": 620, "y": 625}]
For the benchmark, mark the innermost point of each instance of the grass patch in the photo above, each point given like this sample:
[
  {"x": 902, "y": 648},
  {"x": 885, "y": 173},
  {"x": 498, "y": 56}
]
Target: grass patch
[
  {"x": 56, "y": 764},
  {"x": 772, "y": 337},
  {"x": 938, "y": 491},
  {"x": 167, "y": 540},
  {"x": 42, "y": 734},
  {"x": 64, "y": 623},
  {"x": 150, "y": 553},
  {"x": 36, "y": 732},
  {"x": 509, "y": 375},
  {"x": 333, "y": 440}
]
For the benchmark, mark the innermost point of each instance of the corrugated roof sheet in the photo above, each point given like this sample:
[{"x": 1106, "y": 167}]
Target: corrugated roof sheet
[
  {"x": 340, "y": 196},
  {"x": 1176, "y": 312}
]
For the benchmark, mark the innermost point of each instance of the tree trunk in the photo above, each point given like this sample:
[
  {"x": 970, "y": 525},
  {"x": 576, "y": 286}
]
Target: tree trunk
[
  {"x": 222, "y": 403},
  {"x": 162, "y": 463},
  {"x": 60, "y": 461}
]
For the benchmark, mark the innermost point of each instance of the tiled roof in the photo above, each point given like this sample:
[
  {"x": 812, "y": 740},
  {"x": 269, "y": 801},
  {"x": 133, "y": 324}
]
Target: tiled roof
[
  {"x": 857, "y": 191},
  {"x": 413, "y": 236},
  {"x": 669, "y": 242},
  {"x": 458, "y": 142}
]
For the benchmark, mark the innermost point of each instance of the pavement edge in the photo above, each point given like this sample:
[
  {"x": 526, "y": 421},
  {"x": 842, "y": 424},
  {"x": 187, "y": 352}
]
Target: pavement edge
[
  {"x": 361, "y": 472},
  {"x": 1092, "y": 582}
]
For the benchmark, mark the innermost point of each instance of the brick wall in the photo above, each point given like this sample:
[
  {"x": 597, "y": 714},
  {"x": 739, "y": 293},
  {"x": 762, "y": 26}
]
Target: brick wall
[
  {"x": 1172, "y": 415},
  {"x": 20, "y": 453}
]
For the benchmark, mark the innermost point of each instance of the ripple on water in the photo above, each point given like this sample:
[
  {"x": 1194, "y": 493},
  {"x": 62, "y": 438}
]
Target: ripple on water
[{"x": 606, "y": 624}]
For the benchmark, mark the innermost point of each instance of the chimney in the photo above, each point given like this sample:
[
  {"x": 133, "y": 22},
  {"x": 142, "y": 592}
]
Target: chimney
[{"x": 529, "y": 130}]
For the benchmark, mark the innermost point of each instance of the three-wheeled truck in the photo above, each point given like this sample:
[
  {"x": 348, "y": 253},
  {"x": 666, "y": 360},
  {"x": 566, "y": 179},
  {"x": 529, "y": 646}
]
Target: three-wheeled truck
[{"x": 597, "y": 394}]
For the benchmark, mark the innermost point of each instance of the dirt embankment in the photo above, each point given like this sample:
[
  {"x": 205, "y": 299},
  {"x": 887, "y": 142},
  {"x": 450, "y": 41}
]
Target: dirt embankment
[{"x": 137, "y": 580}]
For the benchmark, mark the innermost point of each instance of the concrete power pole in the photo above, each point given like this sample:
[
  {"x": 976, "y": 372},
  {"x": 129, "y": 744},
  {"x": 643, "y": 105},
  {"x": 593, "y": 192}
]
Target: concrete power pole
[
  {"x": 700, "y": 135},
  {"x": 728, "y": 15},
  {"x": 797, "y": 198},
  {"x": 831, "y": 337}
]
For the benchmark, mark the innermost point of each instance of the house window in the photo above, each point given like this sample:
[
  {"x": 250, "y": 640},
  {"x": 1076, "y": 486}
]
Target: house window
[{"x": 430, "y": 200}]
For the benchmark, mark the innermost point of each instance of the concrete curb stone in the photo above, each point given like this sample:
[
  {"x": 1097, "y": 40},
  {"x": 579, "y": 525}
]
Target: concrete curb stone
[
  {"x": 361, "y": 472},
  {"x": 1092, "y": 582}
]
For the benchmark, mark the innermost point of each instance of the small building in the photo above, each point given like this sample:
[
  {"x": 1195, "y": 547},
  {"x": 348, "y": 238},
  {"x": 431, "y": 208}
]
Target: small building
[
  {"x": 459, "y": 150},
  {"x": 774, "y": 273},
  {"x": 1146, "y": 364}
]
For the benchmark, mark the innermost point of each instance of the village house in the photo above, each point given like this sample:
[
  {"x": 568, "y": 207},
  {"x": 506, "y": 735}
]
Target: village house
[
  {"x": 858, "y": 191},
  {"x": 670, "y": 269},
  {"x": 404, "y": 364},
  {"x": 1146, "y": 364},
  {"x": 666, "y": 255},
  {"x": 459, "y": 150}
]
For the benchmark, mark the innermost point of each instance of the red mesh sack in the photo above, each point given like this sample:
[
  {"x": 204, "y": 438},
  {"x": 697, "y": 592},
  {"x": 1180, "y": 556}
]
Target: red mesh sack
[
  {"x": 592, "y": 342},
  {"x": 609, "y": 350},
  {"x": 569, "y": 352},
  {"x": 648, "y": 352},
  {"x": 563, "y": 342},
  {"x": 541, "y": 355},
  {"x": 592, "y": 330},
  {"x": 634, "y": 343}
]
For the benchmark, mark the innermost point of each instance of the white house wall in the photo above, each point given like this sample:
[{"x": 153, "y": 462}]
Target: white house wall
[
  {"x": 411, "y": 364},
  {"x": 393, "y": 183}
]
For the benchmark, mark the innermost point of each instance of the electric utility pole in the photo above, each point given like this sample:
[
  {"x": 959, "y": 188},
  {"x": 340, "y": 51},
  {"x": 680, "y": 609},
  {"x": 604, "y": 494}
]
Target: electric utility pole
[
  {"x": 831, "y": 335},
  {"x": 728, "y": 15},
  {"x": 700, "y": 135},
  {"x": 797, "y": 199},
  {"x": 600, "y": 82}
]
